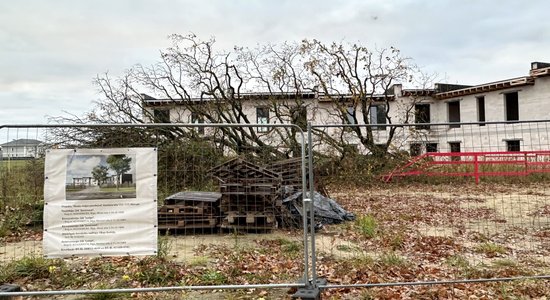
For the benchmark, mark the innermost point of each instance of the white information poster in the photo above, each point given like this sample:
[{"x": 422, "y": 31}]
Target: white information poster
[{"x": 100, "y": 202}]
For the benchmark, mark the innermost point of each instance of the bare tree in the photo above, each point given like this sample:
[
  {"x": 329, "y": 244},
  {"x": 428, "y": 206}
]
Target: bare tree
[
  {"x": 218, "y": 87},
  {"x": 359, "y": 82}
]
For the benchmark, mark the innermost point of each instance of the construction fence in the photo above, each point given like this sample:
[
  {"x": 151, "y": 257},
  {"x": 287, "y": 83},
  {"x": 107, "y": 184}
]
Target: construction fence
[
  {"x": 462, "y": 205},
  {"x": 409, "y": 210}
]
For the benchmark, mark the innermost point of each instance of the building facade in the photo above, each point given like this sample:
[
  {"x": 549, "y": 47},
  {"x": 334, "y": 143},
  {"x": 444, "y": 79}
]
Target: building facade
[
  {"x": 22, "y": 149},
  {"x": 510, "y": 101}
]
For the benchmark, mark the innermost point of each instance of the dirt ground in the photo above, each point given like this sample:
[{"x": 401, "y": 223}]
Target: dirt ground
[
  {"x": 518, "y": 217},
  {"x": 183, "y": 248},
  {"x": 446, "y": 231}
]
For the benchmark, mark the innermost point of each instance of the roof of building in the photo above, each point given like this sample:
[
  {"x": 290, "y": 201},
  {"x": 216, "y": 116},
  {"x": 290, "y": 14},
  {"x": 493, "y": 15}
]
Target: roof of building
[
  {"x": 440, "y": 91},
  {"x": 21, "y": 143},
  {"x": 487, "y": 87},
  {"x": 151, "y": 101},
  {"x": 447, "y": 91}
]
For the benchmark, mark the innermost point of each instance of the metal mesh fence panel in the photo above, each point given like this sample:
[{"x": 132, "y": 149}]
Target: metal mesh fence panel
[
  {"x": 229, "y": 213},
  {"x": 466, "y": 205}
]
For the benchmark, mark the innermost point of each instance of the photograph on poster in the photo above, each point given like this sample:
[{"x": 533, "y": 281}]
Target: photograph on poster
[{"x": 100, "y": 177}]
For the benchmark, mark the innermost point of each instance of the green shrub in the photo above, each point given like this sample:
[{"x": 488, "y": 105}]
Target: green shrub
[
  {"x": 356, "y": 169},
  {"x": 184, "y": 164},
  {"x": 21, "y": 193}
]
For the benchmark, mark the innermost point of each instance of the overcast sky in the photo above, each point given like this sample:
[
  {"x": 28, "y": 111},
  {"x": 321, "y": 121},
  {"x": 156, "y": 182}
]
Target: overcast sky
[
  {"x": 82, "y": 166},
  {"x": 50, "y": 51}
]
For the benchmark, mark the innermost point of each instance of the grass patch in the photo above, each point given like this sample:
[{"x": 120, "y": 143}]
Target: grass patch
[
  {"x": 213, "y": 277},
  {"x": 288, "y": 248},
  {"x": 21, "y": 194},
  {"x": 199, "y": 261},
  {"x": 291, "y": 249},
  {"x": 155, "y": 271},
  {"x": 29, "y": 268},
  {"x": 368, "y": 295},
  {"x": 457, "y": 261},
  {"x": 104, "y": 296},
  {"x": 345, "y": 248},
  {"x": 7, "y": 165},
  {"x": 391, "y": 259},
  {"x": 505, "y": 263},
  {"x": 510, "y": 268},
  {"x": 467, "y": 270},
  {"x": 164, "y": 246},
  {"x": 490, "y": 249},
  {"x": 394, "y": 240},
  {"x": 355, "y": 262},
  {"x": 120, "y": 189},
  {"x": 367, "y": 225}
]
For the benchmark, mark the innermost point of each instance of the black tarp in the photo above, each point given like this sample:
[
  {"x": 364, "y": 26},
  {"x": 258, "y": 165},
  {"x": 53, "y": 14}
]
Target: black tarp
[{"x": 326, "y": 210}]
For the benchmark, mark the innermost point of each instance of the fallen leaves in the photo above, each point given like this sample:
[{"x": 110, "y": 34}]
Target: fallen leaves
[
  {"x": 404, "y": 218},
  {"x": 423, "y": 233}
]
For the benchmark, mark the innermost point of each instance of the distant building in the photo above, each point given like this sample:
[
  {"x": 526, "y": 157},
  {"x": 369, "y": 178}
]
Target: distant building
[
  {"x": 90, "y": 181},
  {"x": 21, "y": 149},
  {"x": 111, "y": 180},
  {"x": 84, "y": 181}
]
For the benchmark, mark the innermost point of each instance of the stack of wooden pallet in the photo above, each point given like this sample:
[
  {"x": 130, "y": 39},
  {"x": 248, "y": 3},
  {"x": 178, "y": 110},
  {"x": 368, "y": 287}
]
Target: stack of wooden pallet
[
  {"x": 290, "y": 170},
  {"x": 251, "y": 195},
  {"x": 189, "y": 210}
]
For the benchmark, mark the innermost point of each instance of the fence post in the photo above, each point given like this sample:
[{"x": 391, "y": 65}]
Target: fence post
[
  {"x": 311, "y": 291},
  {"x": 304, "y": 211},
  {"x": 312, "y": 211},
  {"x": 476, "y": 168},
  {"x": 527, "y": 163}
]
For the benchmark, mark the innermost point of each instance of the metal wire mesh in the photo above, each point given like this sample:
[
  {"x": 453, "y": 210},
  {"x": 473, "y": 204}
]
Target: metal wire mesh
[
  {"x": 221, "y": 216},
  {"x": 421, "y": 216},
  {"x": 454, "y": 204}
]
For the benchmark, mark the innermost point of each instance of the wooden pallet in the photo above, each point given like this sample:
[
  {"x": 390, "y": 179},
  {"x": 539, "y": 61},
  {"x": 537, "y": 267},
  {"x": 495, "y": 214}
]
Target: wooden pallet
[
  {"x": 250, "y": 206},
  {"x": 189, "y": 210},
  {"x": 178, "y": 223},
  {"x": 290, "y": 171},
  {"x": 249, "y": 221},
  {"x": 250, "y": 189},
  {"x": 192, "y": 198},
  {"x": 238, "y": 168},
  {"x": 184, "y": 210}
]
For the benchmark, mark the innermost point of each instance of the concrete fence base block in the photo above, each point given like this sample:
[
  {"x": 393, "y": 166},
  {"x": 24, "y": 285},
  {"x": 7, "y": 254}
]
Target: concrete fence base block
[
  {"x": 9, "y": 288},
  {"x": 310, "y": 293}
]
